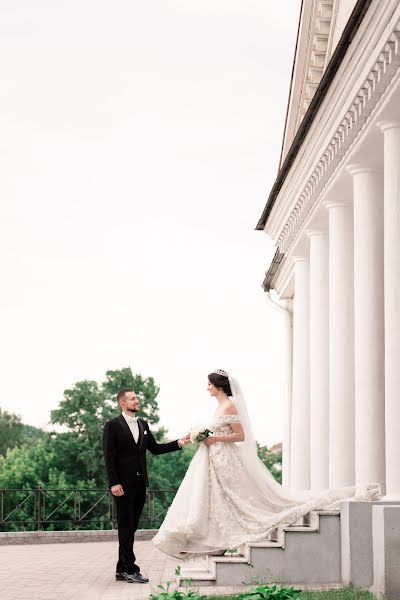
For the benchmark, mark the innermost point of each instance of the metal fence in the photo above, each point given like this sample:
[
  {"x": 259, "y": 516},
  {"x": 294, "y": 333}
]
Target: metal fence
[{"x": 68, "y": 509}]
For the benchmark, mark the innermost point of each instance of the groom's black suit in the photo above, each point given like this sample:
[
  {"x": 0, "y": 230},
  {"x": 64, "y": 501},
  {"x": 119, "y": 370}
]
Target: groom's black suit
[{"x": 126, "y": 465}]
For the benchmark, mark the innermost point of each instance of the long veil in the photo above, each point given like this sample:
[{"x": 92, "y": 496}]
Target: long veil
[
  {"x": 259, "y": 473},
  {"x": 229, "y": 497}
]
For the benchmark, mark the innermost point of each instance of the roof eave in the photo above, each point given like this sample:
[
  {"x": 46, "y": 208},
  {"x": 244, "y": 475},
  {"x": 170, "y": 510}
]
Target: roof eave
[{"x": 347, "y": 36}]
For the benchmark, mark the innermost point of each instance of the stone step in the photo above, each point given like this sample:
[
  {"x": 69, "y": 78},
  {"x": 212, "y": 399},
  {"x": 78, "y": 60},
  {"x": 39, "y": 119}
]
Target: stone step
[
  {"x": 307, "y": 528},
  {"x": 307, "y": 551}
]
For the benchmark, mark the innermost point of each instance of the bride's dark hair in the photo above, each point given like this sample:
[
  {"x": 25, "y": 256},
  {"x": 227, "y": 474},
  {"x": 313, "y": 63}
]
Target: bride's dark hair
[{"x": 220, "y": 381}]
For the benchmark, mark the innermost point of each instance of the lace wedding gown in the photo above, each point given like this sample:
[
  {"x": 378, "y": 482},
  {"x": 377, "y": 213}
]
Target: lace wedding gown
[{"x": 221, "y": 504}]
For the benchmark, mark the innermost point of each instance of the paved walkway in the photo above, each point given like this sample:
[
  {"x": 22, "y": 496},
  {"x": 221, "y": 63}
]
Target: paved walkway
[{"x": 81, "y": 571}]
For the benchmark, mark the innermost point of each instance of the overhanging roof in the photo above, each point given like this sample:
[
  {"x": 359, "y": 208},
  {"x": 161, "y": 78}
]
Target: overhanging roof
[{"x": 348, "y": 34}]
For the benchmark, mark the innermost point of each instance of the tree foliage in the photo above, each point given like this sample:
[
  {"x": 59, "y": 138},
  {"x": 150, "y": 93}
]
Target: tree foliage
[
  {"x": 73, "y": 459},
  {"x": 84, "y": 410},
  {"x": 145, "y": 388},
  {"x": 27, "y": 466},
  {"x": 272, "y": 460},
  {"x": 89, "y": 404},
  {"x": 15, "y": 433}
]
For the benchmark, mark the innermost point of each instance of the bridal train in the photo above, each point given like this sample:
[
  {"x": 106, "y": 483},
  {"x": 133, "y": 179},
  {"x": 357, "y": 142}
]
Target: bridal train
[{"x": 229, "y": 497}]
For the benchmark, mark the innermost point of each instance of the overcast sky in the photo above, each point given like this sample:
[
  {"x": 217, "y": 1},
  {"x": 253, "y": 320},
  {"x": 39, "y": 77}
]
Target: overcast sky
[{"x": 139, "y": 142}]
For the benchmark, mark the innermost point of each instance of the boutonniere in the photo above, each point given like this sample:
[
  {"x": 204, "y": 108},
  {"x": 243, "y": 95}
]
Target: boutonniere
[{"x": 145, "y": 432}]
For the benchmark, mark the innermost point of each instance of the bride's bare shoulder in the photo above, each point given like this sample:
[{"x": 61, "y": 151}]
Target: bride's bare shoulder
[{"x": 230, "y": 408}]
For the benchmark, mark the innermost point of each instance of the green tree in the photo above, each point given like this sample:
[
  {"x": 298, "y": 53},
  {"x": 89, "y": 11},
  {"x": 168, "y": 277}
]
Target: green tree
[
  {"x": 24, "y": 469},
  {"x": 90, "y": 404},
  {"x": 26, "y": 466},
  {"x": 84, "y": 410},
  {"x": 272, "y": 460},
  {"x": 15, "y": 433},
  {"x": 145, "y": 388},
  {"x": 74, "y": 457}
]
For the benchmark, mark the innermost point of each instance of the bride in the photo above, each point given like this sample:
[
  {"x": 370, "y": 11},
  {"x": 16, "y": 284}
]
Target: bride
[{"x": 228, "y": 496}]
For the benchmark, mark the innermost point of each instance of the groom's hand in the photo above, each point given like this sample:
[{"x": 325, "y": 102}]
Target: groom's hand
[
  {"x": 117, "y": 490},
  {"x": 185, "y": 440}
]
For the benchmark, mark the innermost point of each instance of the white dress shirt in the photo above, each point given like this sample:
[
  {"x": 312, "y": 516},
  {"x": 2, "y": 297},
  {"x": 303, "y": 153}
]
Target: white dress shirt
[{"x": 133, "y": 425}]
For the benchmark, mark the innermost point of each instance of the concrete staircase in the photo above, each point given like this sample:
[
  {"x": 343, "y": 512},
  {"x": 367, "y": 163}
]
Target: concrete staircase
[{"x": 307, "y": 552}]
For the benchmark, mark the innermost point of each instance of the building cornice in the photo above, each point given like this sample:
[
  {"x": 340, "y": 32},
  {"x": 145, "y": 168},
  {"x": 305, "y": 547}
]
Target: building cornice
[
  {"x": 355, "y": 117},
  {"x": 311, "y": 56},
  {"x": 364, "y": 101},
  {"x": 348, "y": 34},
  {"x": 317, "y": 54}
]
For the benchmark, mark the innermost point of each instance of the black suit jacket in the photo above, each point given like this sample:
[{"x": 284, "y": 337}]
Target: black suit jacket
[{"x": 123, "y": 457}]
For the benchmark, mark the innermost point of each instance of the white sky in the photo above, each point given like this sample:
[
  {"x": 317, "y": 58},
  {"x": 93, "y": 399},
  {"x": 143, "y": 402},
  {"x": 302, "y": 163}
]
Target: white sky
[{"x": 139, "y": 141}]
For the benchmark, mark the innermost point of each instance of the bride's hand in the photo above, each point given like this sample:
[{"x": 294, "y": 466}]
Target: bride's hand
[{"x": 210, "y": 440}]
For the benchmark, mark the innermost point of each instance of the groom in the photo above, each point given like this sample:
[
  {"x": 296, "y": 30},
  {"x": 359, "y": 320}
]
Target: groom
[{"x": 125, "y": 441}]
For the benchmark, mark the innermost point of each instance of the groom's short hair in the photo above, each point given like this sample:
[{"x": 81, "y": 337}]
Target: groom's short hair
[{"x": 121, "y": 393}]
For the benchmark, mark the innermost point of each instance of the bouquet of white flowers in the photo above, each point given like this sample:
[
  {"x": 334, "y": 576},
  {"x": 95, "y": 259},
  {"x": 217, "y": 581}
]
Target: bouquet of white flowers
[{"x": 199, "y": 434}]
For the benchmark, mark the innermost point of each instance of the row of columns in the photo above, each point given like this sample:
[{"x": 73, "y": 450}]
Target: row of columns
[{"x": 346, "y": 337}]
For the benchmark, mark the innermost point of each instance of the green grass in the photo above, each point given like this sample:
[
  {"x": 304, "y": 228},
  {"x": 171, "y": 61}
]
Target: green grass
[{"x": 344, "y": 594}]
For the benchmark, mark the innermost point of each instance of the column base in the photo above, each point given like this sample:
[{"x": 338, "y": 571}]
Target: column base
[
  {"x": 393, "y": 497},
  {"x": 356, "y": 520},
  {"x": 386, "y": 541}
]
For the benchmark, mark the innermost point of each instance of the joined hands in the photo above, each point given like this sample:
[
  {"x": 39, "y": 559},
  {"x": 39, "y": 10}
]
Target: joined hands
[{"x": 185, "y": 440}]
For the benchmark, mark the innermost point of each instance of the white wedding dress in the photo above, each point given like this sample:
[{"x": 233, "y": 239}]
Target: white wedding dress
[{"x": 228, "y": 497}]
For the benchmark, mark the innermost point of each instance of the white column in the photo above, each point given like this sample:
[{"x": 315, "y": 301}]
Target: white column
[
  {"x": 369, "y": 343},
  {"x": 319, "y": 360},
  {"x": 392, "y": 305},
  {"x": 285, "y": 308},
  {"x": 286, "y": 446},
  {"x": 341, "y": 345},
  {"x": 300, "y": 450}
]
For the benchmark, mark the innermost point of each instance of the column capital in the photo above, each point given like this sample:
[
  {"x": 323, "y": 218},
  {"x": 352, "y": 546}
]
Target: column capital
[
  {"x": 344, "y": 203},
  {"x": 315, "y": 232},
  {"x": 385, "y": 125},
  {"x": 357, "y": 168}
]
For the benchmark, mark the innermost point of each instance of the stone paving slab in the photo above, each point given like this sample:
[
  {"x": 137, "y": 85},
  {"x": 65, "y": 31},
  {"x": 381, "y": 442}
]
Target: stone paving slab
[
  {"x": 74, "y": 536},
  {"x": 81, "y": 572},
  {"x": 87, "y": 572}
]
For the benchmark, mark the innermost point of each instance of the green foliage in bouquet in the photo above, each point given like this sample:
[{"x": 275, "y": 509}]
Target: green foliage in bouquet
[
  {"x": 270, "y": 592},
  {"x": 203, "y": 435}
]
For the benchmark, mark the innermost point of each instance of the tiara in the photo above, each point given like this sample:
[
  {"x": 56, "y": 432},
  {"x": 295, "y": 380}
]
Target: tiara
[{"x": 221, "y": 372}]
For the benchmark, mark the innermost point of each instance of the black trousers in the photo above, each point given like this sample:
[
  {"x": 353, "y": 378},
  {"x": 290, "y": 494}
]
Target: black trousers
[{"x": 129, "y": 508}]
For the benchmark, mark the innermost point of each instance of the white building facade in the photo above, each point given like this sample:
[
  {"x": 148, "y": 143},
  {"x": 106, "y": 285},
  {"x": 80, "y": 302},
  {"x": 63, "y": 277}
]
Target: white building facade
[{"x": 334, "y": 214}]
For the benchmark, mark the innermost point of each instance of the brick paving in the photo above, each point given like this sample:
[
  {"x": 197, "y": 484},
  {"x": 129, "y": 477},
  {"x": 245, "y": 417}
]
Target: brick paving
[{"x": 82, "y": 572}]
